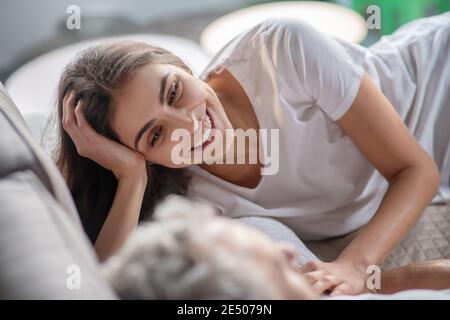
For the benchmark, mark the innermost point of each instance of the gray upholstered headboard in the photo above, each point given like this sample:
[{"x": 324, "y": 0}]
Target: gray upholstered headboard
[{"x": 42, "y": 243}]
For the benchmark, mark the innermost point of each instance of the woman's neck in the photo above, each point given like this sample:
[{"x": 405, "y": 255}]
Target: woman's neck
[{"x": 240, "y": 112}]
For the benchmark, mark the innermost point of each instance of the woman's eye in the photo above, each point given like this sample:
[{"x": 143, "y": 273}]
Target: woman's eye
[
  {"x": 155, "y": 137},
  {"x": 173, "y": 92}
]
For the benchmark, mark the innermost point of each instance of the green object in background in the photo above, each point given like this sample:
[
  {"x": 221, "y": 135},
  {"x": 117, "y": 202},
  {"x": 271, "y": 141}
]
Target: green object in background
[{"x": 395, "y": 13}]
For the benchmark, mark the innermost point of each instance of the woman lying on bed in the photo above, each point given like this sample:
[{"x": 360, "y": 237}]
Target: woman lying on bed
[
  {"x": 170, "y": 259},
  {"x": 358, "y": 133}
]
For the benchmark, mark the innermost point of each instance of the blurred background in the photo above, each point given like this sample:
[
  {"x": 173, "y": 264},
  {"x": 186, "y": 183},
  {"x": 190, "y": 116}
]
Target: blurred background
[{"x": 30, "y": 28}]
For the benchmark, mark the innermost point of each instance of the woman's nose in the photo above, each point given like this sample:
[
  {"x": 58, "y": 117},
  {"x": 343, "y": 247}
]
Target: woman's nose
[
  {"x": 198, "y": 112},
  {"x": 190, "y": 116}
]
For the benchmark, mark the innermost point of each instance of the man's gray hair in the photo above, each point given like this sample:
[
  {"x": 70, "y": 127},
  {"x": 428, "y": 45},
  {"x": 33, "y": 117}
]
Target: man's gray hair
[{"x": 171, "y": 259}]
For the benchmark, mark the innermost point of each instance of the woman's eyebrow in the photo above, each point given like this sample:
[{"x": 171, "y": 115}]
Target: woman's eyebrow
[
  {"x": 141, "y": 132},
  {"x": 162, "y": 99},
  {"x": 162, "y": 89}
]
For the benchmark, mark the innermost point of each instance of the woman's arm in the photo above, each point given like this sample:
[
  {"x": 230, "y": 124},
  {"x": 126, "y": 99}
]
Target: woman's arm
[
  {"x": 123, "y": 216},
  {"x": 380, "y": 134},
  {"x": 128, "y": 166}
]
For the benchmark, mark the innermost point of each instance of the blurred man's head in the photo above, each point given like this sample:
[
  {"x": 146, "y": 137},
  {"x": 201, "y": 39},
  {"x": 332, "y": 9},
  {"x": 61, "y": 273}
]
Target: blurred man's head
[{"x": 189, "y": 253}]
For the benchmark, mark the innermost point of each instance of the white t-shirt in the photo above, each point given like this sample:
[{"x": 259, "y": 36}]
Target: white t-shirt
[{"x": 301, "y": 81}]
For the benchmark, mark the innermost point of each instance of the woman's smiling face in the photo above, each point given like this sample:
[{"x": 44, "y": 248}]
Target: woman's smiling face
[{"x": 157, "y": 100}]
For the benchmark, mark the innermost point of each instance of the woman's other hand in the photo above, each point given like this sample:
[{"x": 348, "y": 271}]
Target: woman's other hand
[
  {"x": 335, "y": 278},
  {"x": 119, "y": 159}
]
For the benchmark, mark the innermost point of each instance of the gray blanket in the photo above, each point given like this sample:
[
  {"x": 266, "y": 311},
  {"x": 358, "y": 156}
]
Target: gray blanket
[{"x": 428, "y": 240}]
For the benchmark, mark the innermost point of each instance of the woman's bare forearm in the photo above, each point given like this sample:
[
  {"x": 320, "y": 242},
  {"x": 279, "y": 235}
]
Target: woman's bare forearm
[
  {"x": 123, "y": 216},
  {"x": 409, "y": 192}
]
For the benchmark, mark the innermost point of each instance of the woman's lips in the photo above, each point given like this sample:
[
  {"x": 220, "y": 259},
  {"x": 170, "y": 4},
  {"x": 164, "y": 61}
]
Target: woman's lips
[
  {"x": 207, "y": 126},
  {"x": 213, "y": 124}
]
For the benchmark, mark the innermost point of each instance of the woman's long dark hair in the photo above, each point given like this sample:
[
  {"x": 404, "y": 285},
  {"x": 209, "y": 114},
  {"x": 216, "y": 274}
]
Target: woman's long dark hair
[{"x": 95, "y": 75}]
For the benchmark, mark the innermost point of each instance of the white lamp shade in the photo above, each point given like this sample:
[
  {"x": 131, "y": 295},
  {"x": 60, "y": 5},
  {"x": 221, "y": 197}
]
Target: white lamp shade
[{"x": 330, "y": 18}]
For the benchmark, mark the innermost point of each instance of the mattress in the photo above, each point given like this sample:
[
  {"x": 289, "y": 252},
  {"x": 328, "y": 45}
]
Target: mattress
[{"x": 428, "y": 240}]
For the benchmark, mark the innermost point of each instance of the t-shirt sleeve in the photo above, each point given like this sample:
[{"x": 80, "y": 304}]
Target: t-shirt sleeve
[{"x": 314, "y": 63}]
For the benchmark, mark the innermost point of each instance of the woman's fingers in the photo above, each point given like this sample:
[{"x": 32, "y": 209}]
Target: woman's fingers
[
  {"x": 310, "y": 266},
  {"x": 83, "y": 124},
  {"x": 321, "y": 280},
  {"x": 341, "y": 289},
  {"x": 334, "y": 278},
  {"x": 312, "y": 272},
  {"x": 68, "y": 119},
  {"x": 320, "y": 277},
  {"x": 64, "y": 103},
  {"x": 68, "y": 98},
  {"x": 326, "y": 283},
  {"x": 314, "y": 276},
  {"x": 70, "y": 125}
]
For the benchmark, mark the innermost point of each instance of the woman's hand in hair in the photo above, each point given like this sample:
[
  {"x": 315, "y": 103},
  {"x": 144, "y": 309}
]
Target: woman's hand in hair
[{"x": 119, "y": 159}]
